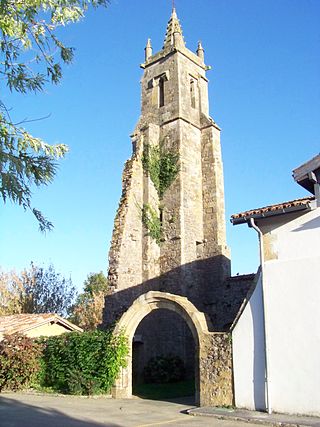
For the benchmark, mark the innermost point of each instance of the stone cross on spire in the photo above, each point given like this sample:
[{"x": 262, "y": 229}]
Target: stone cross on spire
[{"x": 174, "y": 32}]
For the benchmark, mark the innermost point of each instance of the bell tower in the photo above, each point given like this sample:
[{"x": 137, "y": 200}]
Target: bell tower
[
  {"x": 174, "y": 84},
  {"x": 169, "y": 232}
]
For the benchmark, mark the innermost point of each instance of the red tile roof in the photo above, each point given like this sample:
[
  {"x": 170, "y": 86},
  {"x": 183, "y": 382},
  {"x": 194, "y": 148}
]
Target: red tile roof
[
  {"x": 272, "y": 209},
  {"x": 24, "y": 322}
]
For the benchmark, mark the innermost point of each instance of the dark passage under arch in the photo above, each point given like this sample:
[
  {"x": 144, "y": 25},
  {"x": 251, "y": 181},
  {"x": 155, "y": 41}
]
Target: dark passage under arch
[{"x": 164, "y": 356}]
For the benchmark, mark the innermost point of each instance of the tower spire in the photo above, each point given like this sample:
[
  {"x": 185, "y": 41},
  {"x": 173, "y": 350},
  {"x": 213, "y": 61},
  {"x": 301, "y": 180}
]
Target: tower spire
[{"x": 174, "y": 35}]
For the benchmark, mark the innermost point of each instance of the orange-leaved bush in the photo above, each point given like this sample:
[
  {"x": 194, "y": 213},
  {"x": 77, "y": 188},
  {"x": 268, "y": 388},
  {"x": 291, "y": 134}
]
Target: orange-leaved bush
[{"x": 19, "y": 361}]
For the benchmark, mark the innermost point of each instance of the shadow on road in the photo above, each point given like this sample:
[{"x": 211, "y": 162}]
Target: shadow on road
[
  {"x": 182, "y": 400},
  {"x": 18, "y": 414}
]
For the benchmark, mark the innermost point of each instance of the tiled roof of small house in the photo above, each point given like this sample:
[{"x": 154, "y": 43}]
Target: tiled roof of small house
[
  {"x": 297, "y": 204},
  {"x": 24, "y": 322}
]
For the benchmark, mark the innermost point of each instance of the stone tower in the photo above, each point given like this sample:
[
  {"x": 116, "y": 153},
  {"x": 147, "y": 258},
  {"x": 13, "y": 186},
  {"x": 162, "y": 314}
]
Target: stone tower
[
  {"x": 172, "y": 240},
  {"x": 169, "y": 265}
]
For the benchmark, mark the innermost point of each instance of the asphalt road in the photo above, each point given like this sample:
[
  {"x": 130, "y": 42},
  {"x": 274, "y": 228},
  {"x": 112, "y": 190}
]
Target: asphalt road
[{"x": 30, "y": 410}]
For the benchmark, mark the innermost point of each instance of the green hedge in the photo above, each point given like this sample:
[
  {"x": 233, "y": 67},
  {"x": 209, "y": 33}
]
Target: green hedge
[
  {"x": 83, "y": 363},
  {"x": 74, "y": 363}
]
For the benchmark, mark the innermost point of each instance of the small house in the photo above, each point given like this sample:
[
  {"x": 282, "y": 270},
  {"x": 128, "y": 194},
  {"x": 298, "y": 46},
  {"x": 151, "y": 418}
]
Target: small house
[{"x": 36, "y": 325}]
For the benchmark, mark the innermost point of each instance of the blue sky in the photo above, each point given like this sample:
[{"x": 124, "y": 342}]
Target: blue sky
[{"x": 264, "y": 93}]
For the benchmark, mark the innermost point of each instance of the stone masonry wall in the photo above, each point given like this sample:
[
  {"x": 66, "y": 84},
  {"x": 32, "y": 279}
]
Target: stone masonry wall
[
  {"x": 125, "y": 269},
  {"x": 134, "y": 255},
  {"x": 215, "y": 366},
  {"x": 193, "y": 259}
]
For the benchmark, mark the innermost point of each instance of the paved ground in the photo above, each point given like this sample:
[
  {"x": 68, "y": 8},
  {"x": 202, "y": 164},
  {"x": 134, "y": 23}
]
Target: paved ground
[
  {"x": 28, "y": 410},
  {"x": 31, "y": 410},
  {"x": 256, "y": 417}
]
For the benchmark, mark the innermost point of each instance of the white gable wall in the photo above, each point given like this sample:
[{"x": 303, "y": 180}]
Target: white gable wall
[{"x": 292, "y": 300}]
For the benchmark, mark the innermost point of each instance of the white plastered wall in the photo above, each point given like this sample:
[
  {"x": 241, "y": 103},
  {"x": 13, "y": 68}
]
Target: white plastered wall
[
  {"x": 292, "y": 301},
  {"x": 292, "y": 295},
  {"x": 248, "y": 355}
]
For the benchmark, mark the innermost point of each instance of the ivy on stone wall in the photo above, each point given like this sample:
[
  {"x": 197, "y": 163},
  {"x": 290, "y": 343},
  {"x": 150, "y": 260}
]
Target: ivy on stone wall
[
  {"x": 152, "y": 223},
  {"x": 162, "y": 167}
]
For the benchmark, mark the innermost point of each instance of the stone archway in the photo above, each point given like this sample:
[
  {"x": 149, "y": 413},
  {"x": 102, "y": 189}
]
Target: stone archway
[{"x": 205, "y": 343}]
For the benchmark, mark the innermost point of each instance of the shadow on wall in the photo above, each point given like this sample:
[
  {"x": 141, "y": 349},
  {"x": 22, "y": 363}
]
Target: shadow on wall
[
  {"x": 310, "y": 225},
  {"x": 204, "y": 282},
  {"x": 259, "y": 366},
  {"x": 17, "y": 414}
]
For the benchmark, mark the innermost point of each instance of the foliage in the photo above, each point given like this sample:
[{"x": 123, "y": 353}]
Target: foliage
[
  {"x": 88, "y": 309},
  {"x": 11, "y": 289},
  {"x": 164, "y": 369},
  {"x": 162, "y": 167},
  {"x": 84, "y": 363},
  {"x": 19, "y": 361},
  {"x": 36, "y": 290},
  {"x": 151, "y": 164},
  {"x": 152, "y": 222},
  {"x": 30, "y": 55},
  {"x": 46, "y": 291},
  {"x": 24, "y": 161},
  {"x": 95, "y": 283}
]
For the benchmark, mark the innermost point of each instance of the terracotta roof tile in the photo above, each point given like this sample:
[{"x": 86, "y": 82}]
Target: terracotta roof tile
[
  {"x": 24, "y": 322},
  {"x": 304, "y": 202}
]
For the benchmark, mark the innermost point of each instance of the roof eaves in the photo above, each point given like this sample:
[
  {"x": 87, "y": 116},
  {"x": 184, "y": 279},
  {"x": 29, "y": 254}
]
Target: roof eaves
[
  {"x": 54, "y": 318},
  {"x": 310, "y": 166},
  {"x": 68, "y": 324},
  {"x": 268, "y": 213}
]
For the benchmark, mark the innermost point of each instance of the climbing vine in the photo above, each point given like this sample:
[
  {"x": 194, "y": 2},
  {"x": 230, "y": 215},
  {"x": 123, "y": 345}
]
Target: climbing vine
[
  {"x": 162, "y": 167},
  {"x": 152, "y": 222}
]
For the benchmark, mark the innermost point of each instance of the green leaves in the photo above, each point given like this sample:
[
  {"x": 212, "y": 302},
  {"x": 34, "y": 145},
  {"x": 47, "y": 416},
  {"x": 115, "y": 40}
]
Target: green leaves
[
  {"x": 84, "y": 363},
  {"x": 151, "y": 162},
  {"x": 152, "y": 223},
  {"x": 169, "y": 169},
  {"x": 29, "y": 25},
  {"x": 88, "y": 309},
  {"x": 95, "y": 283},
  {"x": 162, "y": 167},
  {"x": 25, "y": 161},
  {"x": 30, "y": 56}
]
